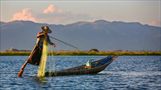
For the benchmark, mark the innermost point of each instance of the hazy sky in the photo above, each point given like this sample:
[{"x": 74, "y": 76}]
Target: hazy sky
[{"x": 69, "y": 11}]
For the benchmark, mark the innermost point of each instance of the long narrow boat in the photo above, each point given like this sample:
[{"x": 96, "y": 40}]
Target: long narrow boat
[{"x": 97, "y": 66}]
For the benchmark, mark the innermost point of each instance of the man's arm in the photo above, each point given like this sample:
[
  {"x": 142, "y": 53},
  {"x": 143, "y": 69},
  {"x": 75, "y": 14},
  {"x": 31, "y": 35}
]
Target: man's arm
[
  {"x": 40, "y": 34},
  {"x": 49, "y": 41}
]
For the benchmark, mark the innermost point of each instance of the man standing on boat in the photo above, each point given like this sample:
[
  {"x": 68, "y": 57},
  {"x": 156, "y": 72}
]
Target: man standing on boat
[
  {"x": 36, "y": 53},
  {"x": 35, "y": 56}
]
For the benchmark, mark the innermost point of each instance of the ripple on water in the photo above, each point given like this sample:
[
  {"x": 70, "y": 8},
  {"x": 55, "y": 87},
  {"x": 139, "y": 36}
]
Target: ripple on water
[{"x": 127, "y": 72}]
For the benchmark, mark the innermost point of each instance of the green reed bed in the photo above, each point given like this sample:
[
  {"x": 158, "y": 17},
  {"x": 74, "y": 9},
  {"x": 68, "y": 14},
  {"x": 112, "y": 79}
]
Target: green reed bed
[{"x": 118, "y": 53}]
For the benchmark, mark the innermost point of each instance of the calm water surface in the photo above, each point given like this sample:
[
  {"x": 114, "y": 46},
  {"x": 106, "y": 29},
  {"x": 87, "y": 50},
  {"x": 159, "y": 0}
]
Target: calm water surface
[{"x": 126, "y": 72}]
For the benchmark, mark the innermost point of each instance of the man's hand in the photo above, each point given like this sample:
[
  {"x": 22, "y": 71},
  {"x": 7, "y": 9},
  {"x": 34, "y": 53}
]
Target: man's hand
[{"x": 53, "y": 44}]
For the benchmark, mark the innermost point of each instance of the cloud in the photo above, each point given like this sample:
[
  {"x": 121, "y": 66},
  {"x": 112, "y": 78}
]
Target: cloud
[
  {"x": 51, "y": 14},
  {"x": 52, "y": 9},
  {"x": 24, "y": 14}
]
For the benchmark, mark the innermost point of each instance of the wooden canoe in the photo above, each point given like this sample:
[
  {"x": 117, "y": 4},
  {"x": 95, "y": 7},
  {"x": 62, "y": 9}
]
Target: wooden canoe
[{"x": 97, "y": 66}]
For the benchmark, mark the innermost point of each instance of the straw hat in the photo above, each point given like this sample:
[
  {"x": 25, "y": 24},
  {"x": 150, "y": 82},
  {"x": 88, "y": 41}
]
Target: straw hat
[{"x": 46, "y": 29}]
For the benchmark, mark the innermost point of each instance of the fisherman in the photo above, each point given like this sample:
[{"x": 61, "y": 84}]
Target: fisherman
[
  {"x": 36, "y": 53},
  {"x": 35, "y": 56}
]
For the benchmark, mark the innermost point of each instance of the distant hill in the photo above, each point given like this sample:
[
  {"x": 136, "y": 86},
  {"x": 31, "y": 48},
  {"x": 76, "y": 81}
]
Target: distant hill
[{"x": 100, "y": 34}]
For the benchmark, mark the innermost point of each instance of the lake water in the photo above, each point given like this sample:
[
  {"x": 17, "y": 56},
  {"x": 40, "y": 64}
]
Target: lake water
[{"x": 126, "y": 72}]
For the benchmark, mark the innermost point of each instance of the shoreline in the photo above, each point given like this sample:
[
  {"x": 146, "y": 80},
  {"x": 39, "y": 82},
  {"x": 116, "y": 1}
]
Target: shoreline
[{"x": 88, "y": 53}]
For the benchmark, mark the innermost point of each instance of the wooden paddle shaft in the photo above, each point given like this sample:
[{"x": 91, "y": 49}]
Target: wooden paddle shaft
[
  {"x": 24, "y": 65},
  {"x": 22, "y": 69}
]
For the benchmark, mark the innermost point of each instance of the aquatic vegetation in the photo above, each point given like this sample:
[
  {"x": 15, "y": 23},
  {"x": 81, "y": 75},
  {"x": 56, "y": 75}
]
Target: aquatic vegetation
[{"x": 77, "y": 52}]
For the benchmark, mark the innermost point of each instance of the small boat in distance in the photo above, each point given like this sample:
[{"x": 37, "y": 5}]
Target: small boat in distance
[{"x": 97, "y": 66}]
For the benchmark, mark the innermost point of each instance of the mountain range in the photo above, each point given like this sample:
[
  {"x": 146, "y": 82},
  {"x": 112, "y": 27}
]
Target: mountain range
[{"x": 100, "y": 34}]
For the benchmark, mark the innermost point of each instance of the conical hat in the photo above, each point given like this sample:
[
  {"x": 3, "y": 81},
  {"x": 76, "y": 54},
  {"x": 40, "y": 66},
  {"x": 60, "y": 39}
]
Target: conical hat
[{"x": 46, "y": 29}]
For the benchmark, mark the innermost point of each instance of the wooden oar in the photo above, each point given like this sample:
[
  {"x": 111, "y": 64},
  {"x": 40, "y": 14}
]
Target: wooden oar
[
  {"x": 22, "y": 69},
  {"x": 24, "y": 65}
]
